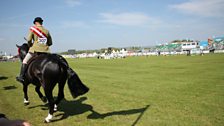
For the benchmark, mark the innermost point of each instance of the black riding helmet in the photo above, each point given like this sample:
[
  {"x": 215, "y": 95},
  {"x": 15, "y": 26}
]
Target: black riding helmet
[{"x": 38, "y": 19}]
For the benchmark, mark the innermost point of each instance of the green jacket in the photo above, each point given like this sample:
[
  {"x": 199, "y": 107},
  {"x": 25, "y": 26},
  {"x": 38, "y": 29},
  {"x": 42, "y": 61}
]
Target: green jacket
[{"x": 35, "y": 46}]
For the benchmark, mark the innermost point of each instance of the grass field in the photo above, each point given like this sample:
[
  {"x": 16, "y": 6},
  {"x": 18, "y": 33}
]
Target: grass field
[{"x": 136, "y": 91}]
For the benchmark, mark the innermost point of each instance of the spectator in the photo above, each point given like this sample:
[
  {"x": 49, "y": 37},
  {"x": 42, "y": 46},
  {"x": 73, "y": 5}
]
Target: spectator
[{"x": 6, "y": 122}]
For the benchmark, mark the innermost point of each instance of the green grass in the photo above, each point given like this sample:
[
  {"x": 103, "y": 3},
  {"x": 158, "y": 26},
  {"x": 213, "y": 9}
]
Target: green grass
[{"x": 178, "y": 90}]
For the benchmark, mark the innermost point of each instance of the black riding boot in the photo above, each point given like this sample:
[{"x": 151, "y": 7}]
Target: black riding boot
[{"x": 20, "y": 78}]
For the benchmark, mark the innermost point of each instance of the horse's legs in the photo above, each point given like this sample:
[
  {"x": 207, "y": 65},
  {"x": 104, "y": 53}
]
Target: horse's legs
[
  {"x": 25, "y": 88},
  {"x": 60, "y": 93},
  {"x": 37, "y": 89},
  {"x": 48, "y": 93}
]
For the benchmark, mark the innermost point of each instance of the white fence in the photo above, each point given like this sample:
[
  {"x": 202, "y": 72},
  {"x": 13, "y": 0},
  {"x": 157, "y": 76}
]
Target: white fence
[{"x": 128, "y": 54}]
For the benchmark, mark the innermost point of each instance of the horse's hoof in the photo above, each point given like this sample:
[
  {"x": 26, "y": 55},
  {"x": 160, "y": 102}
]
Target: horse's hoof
[
  {"x": 27, "y": 103},
  {"x": 48, "y": 118},
  {"x": 45, "y": 121}
]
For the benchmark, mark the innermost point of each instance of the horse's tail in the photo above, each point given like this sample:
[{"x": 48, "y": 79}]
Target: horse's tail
[{"x": 75, "y": 85}]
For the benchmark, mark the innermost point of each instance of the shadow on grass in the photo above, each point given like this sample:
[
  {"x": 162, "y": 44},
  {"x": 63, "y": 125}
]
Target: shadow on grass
[
  {"x": 3, "y": 78},
  {"x": 72, "y": 108},
  {"x": 9, "y": 87},
  {"x": 76, "y": 107},
  {"x": 43, "y": 107}
]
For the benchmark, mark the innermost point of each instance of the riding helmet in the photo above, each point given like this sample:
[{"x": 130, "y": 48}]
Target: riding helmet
[{"x": 38, "y": 19}]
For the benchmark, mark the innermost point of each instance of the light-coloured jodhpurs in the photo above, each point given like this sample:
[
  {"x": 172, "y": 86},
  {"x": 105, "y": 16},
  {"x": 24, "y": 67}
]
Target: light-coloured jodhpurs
[{"x": 27, "y": 57}]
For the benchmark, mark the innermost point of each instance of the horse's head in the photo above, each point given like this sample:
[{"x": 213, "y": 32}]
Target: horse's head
[{"x": 22, "y": 50}]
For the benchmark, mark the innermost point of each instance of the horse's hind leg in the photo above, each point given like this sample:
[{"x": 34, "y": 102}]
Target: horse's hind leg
[
  {"x": 48, "y": 93},
  {"x": 60, "y": 93},
  {"x": 37, "y": 89}
]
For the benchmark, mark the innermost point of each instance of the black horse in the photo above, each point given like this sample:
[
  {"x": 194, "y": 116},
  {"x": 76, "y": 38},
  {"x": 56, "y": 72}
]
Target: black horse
[{"x": 47, "y": 70}]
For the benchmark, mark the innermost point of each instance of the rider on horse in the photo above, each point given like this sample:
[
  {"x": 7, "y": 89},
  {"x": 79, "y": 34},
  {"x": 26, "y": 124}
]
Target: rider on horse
[
  {"x": 46, "y": 70},
  {"x": 39, "y": 40}
]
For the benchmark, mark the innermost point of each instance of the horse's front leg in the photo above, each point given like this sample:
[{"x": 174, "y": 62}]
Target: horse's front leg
[
  {"x": 43, "y": 98},
  {"x": 25, "y": 88}
]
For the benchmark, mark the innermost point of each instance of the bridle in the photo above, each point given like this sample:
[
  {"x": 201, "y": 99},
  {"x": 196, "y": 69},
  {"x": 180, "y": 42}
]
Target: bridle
[{"x": 19, "y": 51}]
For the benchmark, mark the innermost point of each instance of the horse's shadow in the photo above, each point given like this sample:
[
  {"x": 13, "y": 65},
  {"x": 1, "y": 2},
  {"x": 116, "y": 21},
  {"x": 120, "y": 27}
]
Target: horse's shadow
[
  {"x": 72, "y": 108},
  {"x": 78, "y": 107}
]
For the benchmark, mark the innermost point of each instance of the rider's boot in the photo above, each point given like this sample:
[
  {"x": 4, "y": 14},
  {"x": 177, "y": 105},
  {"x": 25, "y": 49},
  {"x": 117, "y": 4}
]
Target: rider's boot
[{"x": 20, "y": 78}]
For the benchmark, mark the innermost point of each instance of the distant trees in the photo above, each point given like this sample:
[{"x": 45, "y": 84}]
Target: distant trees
[
  {"x": 71, "y": 51},
  {"x": 183, "y": 40}
]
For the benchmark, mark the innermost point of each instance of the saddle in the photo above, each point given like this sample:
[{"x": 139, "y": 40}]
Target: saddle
[
  {"x": 56, "y": 56},
  {"x": 36, "y": 54}
]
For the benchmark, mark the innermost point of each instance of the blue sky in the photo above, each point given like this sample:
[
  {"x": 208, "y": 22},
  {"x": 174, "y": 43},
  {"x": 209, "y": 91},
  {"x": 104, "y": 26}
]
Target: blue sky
[{"x": 95, "y": 24}]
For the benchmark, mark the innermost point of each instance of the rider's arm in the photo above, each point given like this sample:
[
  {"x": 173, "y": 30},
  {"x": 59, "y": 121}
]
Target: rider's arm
[
  {"x": 30, "y": 38},
  {"x": 49, "y": 40}
]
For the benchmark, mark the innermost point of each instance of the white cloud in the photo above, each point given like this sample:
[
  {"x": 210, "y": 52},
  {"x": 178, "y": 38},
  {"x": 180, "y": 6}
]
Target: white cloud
[
  {"x": 205, "y": 8},
  {"x": 127, "y": 19},
  {"x": 73, "y": 24},
  {"x": 73, "y": 3}
]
